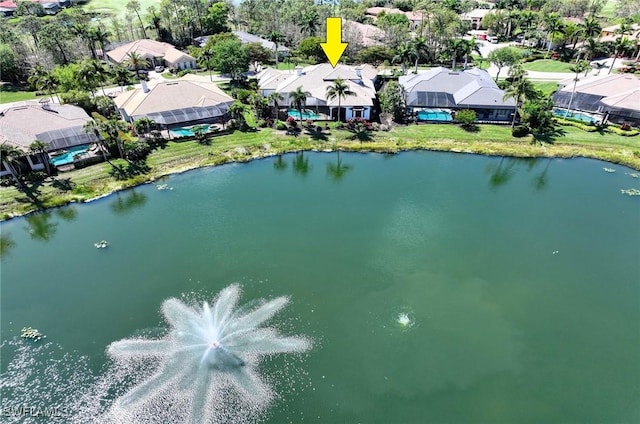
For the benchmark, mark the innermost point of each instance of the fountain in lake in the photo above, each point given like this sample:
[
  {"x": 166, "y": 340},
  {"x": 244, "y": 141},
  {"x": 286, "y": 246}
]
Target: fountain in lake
[{"x": 207, "y": 363}]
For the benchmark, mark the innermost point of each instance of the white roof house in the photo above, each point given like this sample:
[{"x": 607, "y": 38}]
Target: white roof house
[
  {"x": 471, "y": 89},
  {"x": 156, "y": 52},
  {"x": 191, "y": 98},
  {"x": 315, "y": 79},
  {"x": 247, "y": 38}
]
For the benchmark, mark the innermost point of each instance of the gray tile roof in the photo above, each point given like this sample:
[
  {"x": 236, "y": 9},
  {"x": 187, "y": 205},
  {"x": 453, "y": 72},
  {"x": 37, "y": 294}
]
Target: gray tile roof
[{"x": 473, "y": 88}]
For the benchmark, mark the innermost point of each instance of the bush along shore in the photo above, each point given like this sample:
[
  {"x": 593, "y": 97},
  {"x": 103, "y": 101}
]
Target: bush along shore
[{"x": 93, "y": 182}]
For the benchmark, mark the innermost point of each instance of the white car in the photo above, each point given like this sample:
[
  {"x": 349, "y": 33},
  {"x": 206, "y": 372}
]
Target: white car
[{"x": 492, "y": 39}]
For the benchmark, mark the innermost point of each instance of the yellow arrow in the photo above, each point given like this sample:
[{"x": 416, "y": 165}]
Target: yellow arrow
[{"x": 334, "y": 47}]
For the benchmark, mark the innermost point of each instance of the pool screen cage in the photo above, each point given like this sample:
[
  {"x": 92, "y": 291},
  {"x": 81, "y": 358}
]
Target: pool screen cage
[
  {"x": 591, "y": 103},
  {"x": 188, "y": 114},
  {"x": 432, "y": 99},
  {"x": 66, "y": 137}
]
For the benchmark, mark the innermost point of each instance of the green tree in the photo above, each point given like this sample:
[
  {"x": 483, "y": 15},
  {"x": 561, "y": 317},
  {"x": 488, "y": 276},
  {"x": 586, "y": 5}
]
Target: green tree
[
  {"x": 375, "y": 55},
  {"x": 257, "y": 53},
  {"x": 274, "y": 99},
  {"x": 392, "y": 100},
  {"x": 418, "y": 48},
  {"x": 137, "y": 62},
  {"x": 276, "y": 38},
  {"x": 404, "y": 56},
  {"x": 40, "y": 148},
  {"x": 10, "y": 155},
  {"x": 520, "y": 89},
  {"x": 309, "y": 22},
  {"x": 619, "y": 47},
  {"x": 578, "y": 68},
  {"x": 554, "y": 27},
  {"x": 504, "y": 56},
  {"x": 386, "y": 20},
  {"x": 298, "y": 100},
  {"x": 467, "y": 118},
  {"x": 121, "y": 75},
  {"x": 28, "y": 8},
  {"x": 133, "y": 6},
  {"x": 237, "y": 111},
  {"x": 9, "y": 66},
  {"x": 537, "y": 114},
  {"x": 310, "y": 49},
  {"x": 340, "y": 90},
  {"x": 43, "y": 80},
  {"x": 216, "y": 19},
  {"x": 230, "y": 57}
]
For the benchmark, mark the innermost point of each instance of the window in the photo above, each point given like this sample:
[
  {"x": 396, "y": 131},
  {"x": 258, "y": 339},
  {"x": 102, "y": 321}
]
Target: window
[{"x": 357, "y": 113}]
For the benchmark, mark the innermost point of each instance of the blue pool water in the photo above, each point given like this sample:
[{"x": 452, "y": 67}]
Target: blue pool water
[
  {"x": 573, "y": 115},
  {"x": 306, "y": 114},
  {"x": 186, "y": 132},
  {"x": 434, "y": 115},
  {"x": 67, "y": 157}
]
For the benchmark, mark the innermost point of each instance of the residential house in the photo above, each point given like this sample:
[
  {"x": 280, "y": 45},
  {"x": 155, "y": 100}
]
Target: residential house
[
  {"x": 315, "y": 79},
  {"x": 191, "y": 99},
  {"x": 415, "y": 19},
  {"x": 58, "y": 126},
  {"x": 156, "y": 53},
  {"x": 614, "y": 97},
  {"x": 474, "y": 17},
  {"x": 51, "y": 7},
  {"x": 367, "y": 35},
  {"x": 247, "y": 38},
  {"x": 471, "y": 89}
]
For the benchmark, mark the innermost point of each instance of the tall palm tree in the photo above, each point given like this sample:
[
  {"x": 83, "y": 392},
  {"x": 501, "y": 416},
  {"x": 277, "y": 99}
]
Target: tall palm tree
[
  {"x": 520, "y": 89},
  {"x": 276, "y": 38},
  {"x": 92, "y": 73},
  {"x": 134, "y": 7},
  {"x": 40, "y": 148},
  {"x": 620, "y": 45},
  {"x": 341, "y": 90},
  {"x": 137, "y": 62},
  {"x": 418, "y": 48},
  {"x": 457, "y": 48},
  {"x": 273, "y": 100},
  {"x": 9, "y": 156},
  {"x": 82, "y": 30},
  {"x": 298, "y": 100},
  {"x": 92, "y": 127},
  {"x": 122, "y": 75},
  {"x": 578, "y": 68},
  {"x": 468, "y": 47},
  {"x": 554, "y": 27},
  {"x": 101, "y": 36}
]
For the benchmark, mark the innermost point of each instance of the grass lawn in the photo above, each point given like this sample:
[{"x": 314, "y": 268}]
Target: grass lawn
[
  {"x": 547, "y": 65},
  {"x": 117, "y": 7},
  {"x": 96, "y": 180},
  {"x": 286, "y": 66},
  {"x": 547, "y": 87},
  {"x": 10, "y": 94}
]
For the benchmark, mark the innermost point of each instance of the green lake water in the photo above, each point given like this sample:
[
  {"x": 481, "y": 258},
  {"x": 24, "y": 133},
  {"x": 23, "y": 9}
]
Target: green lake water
[{"x": 520, "y": 280}]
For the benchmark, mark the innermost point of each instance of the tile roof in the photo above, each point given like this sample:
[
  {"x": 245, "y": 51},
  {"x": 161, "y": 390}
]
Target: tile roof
[
  {"x": 148, "y": 49},
  {"x": 189, "y": 92},
  {"x": 471, "y": 88},
  {"x": 23, "y": 124},
  {"x": 619, "y": 91},
  {"x": 316, "y": 78},
  {"x": 245, "y": 37}
]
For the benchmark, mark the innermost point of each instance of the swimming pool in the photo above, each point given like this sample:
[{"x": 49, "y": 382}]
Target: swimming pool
[
  {"x": 434, "y": 115},
  {"x": 188, "y": 132},
  {"x": 562, "y": 113},
  {"x": 306, "y": 114},
  {"x": 67, "y": 156}
]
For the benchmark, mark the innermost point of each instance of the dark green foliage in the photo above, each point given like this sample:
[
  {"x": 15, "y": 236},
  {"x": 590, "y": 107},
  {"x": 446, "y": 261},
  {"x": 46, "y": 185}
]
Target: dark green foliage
[
  {"x": 310, "y": 49},
  {"x": 392, "y": 101},
  {"x": 230, "y": 57},
  {"x": 466, "y": 118},
  {"x": 520, "y": 131},
  {"x": 375, "y": 55}
]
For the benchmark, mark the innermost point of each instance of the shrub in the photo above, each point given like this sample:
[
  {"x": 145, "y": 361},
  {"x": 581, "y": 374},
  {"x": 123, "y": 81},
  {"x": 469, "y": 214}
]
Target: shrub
[
  {"x": 261, "y": 123},
  {"x": 520, "y": 131},
  {"x": 577, "y": 124},
  {"x": 292, "y": 122},
  {"x": 620, "y": 131},
  {"x": 466, "y": 117},
  {"x": 281, "y": 126}
]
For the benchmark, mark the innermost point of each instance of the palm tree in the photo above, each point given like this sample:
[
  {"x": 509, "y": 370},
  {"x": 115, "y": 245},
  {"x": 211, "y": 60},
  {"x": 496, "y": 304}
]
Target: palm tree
[
  {"x": 122, "y": 75},
  {"x": 134, "y": 6},
  {"x": 92, "y": 127},
  {"x": 137, "y": 62},
  {"x": 457, "y": 48},
  {"x": 578, "y": 68},
  {"x": 520, "y": 89},
  {"x": 341, "y": 90},
  {"x": 9, "y": 155},
  {"x": 82, "y": 30},
  {"x": 309, "y": 22},
  {"x": 101, "y": 36},
  {"x": 404, "y": 56},
  {"x": 527, "y": 19},
  {"x": 40, "y": 148},
  {"x": 418, "y": 48},
  {"x": 43, "y": 80},
  {"x": 206, "y": 56},
  {"x": 276, "y": 38},
  {"x": 273, "y": 100},
  {"x": 620, "y": 45},
  {"x": 468, "y": 47},
  {"x": 93, "y": 72},
  {"x": 554, "y": 26},
  {"x": 298, "y": 100}
]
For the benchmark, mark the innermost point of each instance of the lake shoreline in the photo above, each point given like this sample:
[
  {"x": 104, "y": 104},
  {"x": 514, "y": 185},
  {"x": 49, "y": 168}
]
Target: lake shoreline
[{"x": 244, "y": 154}]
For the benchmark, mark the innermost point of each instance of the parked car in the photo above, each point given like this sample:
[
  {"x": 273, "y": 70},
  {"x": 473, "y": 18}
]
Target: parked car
[
  {"x": 159, "y": 69},
  {"x": 492, "y": 39}
]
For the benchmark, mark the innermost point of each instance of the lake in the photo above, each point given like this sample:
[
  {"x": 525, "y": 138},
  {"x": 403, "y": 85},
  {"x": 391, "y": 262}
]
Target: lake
[{"x": 437, "y": 287}]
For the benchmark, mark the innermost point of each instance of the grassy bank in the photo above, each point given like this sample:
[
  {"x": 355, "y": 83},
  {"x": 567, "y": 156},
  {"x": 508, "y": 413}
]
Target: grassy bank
[
  {"x": 547, "y": 65},
  {"x": 84, "y": 184},
  {"x": 9, "y": 93}
]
